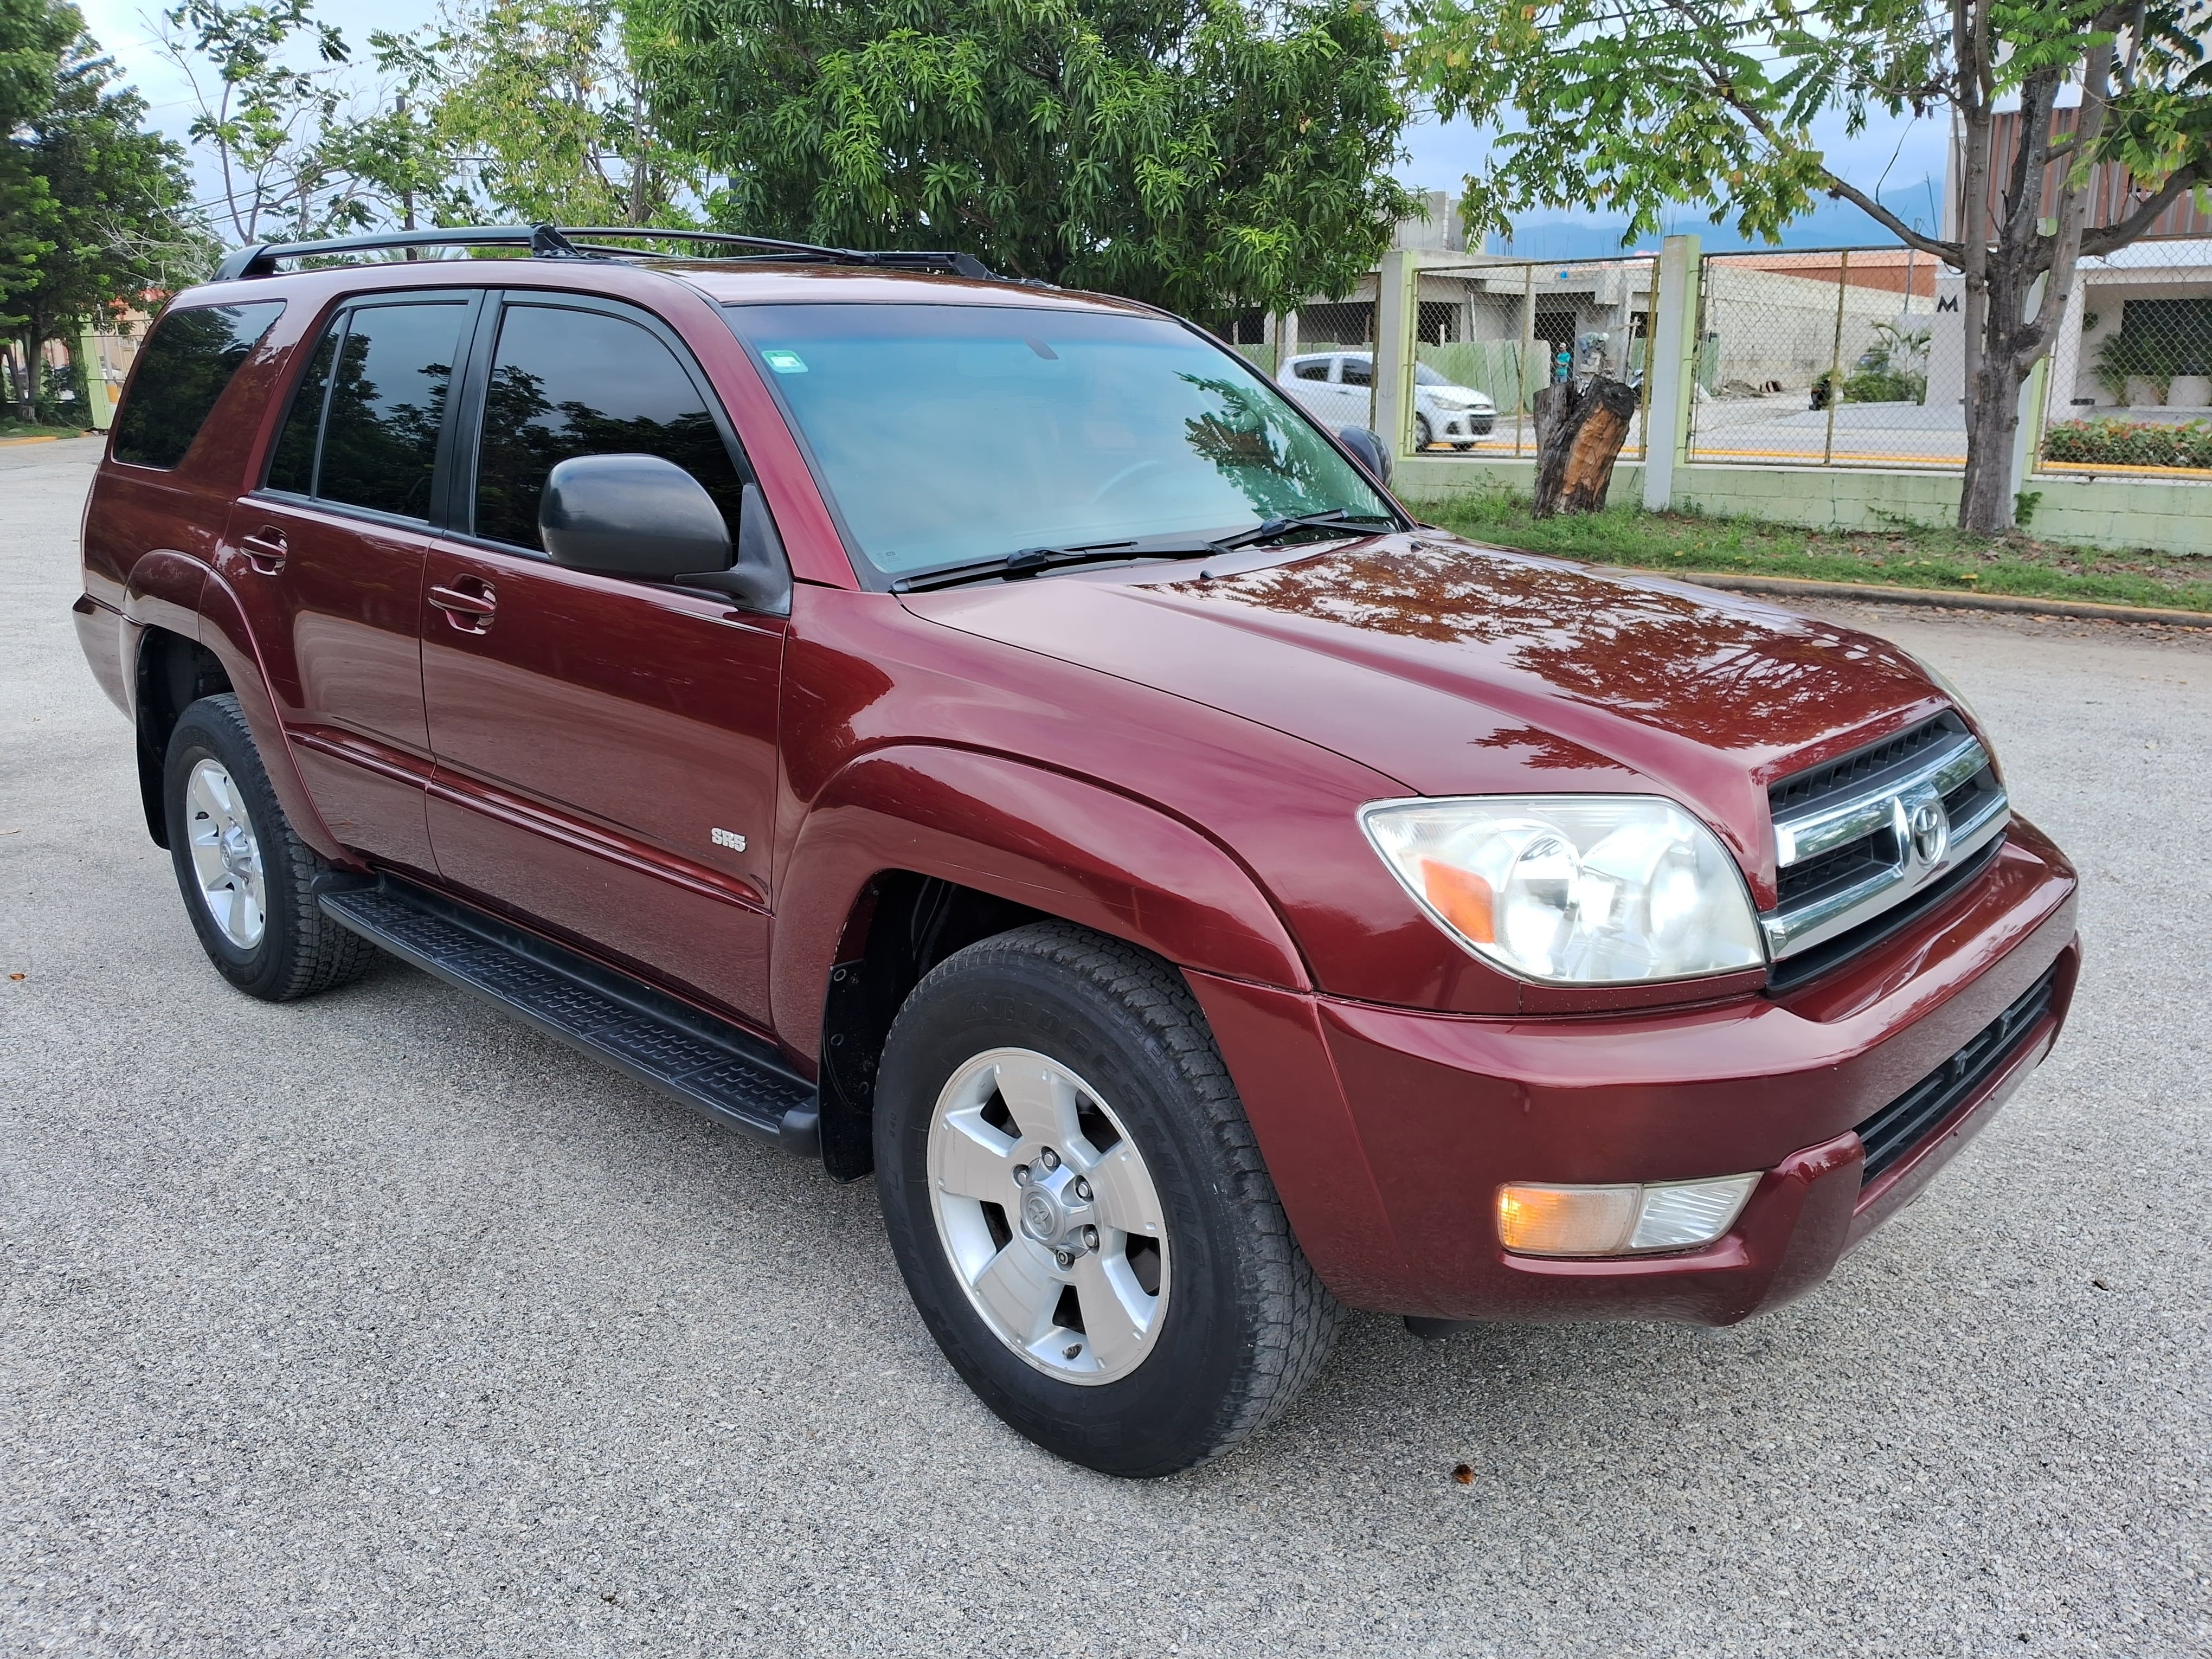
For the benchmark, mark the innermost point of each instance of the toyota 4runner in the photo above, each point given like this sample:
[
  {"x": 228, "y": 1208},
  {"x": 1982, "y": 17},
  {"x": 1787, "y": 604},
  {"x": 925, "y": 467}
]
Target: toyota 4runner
[{"x": 988, "y": 735}]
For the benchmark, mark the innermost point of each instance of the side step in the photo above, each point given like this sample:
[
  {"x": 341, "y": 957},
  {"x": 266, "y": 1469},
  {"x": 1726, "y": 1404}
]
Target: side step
[{"x": 714, "y": 1067}]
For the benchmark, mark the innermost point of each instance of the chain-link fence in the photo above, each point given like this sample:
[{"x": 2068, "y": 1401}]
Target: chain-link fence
[
  {"x": 2131, "y": 389},
  {"x": 1834, "y": 357},
  {"x": 1489, "y": 334}
]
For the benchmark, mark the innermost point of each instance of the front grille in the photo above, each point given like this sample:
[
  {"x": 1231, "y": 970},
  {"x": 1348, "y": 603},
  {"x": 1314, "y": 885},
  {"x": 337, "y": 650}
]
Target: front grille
[
  {"x": 1838, "y": 867},
  {"x": 1893, "y": 1132},
  {"x": 1802, "y": 967},
  {"x": 1847, "y": 777},
  {"x": 1847, "y": 873}
]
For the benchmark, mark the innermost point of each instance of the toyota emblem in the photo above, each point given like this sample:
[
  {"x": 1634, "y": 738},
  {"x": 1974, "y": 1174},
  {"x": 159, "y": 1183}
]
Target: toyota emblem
[{"x": 1930, "y": 832}]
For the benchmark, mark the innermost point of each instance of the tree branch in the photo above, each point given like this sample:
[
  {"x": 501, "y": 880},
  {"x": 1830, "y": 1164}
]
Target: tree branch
[
  {"x": 2109, "y": 238},
  {"x": 1950, "y": 252}
]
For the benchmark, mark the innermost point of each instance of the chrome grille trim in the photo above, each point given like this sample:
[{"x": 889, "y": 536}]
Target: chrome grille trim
[{"x": 1878, "y": 811}]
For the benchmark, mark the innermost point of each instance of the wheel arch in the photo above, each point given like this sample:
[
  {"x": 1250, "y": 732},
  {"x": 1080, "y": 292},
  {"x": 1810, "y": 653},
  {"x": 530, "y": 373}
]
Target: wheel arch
[
  {"x": 224, "y": 634},
  {"x": 172, "y": 673},
  {"x": 912, "y": 853}
]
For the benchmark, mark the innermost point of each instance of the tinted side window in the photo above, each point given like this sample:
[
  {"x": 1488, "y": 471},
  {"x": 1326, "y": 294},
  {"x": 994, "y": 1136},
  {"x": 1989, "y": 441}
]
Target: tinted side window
[
  {"x": 1357, "y": 370},
  {"x": 1316, "y": 369},
  {"x": 293, "y": 465},
  {"x": 566, "y": 383},
  {"x": 387, "y": 402},
  {"x": 186, "y": 362}
]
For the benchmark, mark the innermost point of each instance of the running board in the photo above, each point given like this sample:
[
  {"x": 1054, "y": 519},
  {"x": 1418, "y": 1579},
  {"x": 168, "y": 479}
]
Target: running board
[{"x": 713, "y": 1066}]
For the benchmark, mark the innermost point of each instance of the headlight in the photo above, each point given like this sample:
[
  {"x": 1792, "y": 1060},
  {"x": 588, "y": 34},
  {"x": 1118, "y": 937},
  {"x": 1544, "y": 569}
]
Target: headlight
[{"x": 1573, "y": 889}]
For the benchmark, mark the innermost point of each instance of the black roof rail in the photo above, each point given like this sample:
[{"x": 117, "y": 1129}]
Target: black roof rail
[{"x": 556, "y": 242}]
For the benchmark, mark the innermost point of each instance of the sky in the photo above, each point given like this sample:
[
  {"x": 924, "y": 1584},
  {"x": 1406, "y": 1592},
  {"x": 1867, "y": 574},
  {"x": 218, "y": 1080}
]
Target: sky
[{"x": 1907, "y": 155}]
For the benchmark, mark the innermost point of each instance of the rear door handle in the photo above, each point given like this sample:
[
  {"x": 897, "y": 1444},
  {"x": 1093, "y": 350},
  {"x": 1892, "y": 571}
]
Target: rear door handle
[
  {"x": 469, "y": 608},
  {"x": 267, "y": 549}
]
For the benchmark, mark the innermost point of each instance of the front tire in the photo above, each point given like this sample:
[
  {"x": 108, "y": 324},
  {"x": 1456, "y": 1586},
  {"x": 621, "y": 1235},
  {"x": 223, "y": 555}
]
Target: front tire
[
  {"x": 248, "y": 880},
  {"x": 1076, "y": 1203},
  {"x": 1424, "y": 433}
]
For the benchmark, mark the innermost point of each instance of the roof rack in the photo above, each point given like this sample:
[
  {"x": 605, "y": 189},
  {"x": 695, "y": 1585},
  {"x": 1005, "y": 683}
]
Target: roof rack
[{"x": 557, "y": 242}]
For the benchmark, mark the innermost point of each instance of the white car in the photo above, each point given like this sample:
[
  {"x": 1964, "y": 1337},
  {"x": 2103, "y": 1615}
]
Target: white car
[{"x": 1336, "y": 386}]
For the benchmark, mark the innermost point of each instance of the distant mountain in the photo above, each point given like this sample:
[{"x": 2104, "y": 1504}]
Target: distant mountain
[{"x": 1831, "y": 224}]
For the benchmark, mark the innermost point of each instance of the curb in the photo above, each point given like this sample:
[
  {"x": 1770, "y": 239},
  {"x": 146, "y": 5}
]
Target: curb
[
  {"x": 40, "y": 438},
  {"x": 1932, "y": 598}
]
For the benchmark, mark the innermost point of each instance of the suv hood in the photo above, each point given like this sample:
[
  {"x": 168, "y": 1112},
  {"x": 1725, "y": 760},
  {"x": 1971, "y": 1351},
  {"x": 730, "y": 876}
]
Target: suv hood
[{"x": 1459, "y": 669}]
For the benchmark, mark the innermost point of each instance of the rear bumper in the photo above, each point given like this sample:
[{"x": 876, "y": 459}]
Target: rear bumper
[{"x": 1390, "y": 1132}]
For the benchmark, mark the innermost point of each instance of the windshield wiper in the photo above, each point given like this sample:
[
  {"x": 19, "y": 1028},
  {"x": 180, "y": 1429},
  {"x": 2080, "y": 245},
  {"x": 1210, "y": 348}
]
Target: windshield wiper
[
  {"x": 1032, "y": 560},
  {"x": 1354, "y": 523}
]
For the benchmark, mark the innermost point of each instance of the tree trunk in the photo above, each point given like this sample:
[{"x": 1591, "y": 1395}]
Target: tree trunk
[
  {"x": 27, "y": 381},
  {"x": 1579, "y": 432},
  {"x": 1985, "y": 503}
]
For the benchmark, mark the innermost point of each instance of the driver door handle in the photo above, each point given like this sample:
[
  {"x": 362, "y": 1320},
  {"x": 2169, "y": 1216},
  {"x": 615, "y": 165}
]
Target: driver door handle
[{"x": 469, "y": 608}]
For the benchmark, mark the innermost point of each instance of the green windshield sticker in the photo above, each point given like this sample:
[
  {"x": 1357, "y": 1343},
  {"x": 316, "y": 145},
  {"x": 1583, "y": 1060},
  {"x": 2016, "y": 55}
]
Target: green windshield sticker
[{"x": 785, "y": 362}]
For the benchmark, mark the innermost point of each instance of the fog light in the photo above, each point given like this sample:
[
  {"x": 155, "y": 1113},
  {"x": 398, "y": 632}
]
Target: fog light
[{"x": 1541, "y": 1219}]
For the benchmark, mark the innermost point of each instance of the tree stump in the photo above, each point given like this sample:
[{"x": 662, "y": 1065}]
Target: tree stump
[{"x": 1579, "y": 432}]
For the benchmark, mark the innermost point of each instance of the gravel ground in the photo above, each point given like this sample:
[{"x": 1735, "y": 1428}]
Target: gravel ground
[{"x": 378, "y": 1324}]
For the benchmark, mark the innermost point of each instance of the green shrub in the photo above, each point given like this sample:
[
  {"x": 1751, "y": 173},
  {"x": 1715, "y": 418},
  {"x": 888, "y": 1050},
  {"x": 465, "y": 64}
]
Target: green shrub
[
  {"x": 1885, "y": 386},
  {"x": 1875, "y": 385},
  {"x": 2131, "y": 443}
]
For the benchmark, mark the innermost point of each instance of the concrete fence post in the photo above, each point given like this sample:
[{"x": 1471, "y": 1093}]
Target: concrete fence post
[
  {"x": 1395, "y": 309},
  {"x": 1673, "y": 369},
  {"x": 2028, "y": 431}
]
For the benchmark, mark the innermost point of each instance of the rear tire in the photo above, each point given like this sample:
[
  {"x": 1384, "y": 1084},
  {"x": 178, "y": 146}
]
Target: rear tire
[
  {"x": 248, "y": 881},
  {"x": 1188, "y": 1318}
]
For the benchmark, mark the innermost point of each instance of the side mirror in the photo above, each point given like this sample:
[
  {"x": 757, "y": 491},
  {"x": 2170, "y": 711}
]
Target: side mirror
[
  {"x": 646, "y": 517},
  {"x": 1368, "y": 448}
]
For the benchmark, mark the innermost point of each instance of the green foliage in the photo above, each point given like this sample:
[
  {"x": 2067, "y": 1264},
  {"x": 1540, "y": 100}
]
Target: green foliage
[
  {"x": 1901, "y": 349},
  {"x": 560, "y": 121},
  {"x": 262, "y": 115},
  {"x": 1885, "y": 386},
  {"x": 1202, "y": 156},
  {"x": 2122, "y": 357},
  {"x": 1630, "y": 108},
  {"x": 89, "y": 201},
  {"x": 2110, "y": 442}
]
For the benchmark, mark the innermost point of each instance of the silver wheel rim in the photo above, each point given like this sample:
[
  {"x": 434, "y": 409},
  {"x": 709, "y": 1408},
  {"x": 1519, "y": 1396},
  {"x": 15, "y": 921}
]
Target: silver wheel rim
[
  {"x": 226, "y": 854},
  {"x": 1048, "y": 1215}
]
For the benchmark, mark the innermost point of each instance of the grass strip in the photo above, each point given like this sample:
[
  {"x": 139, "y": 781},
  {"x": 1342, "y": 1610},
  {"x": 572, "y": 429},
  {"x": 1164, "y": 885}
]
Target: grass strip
[{"x": 1946, "y": 561}]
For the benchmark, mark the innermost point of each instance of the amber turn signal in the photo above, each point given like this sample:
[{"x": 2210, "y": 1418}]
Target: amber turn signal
[{"x": 1541, "y": 1219}]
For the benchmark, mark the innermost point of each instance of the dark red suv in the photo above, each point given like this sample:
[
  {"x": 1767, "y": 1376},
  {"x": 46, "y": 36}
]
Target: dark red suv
[{"x": 986, "y": 734}]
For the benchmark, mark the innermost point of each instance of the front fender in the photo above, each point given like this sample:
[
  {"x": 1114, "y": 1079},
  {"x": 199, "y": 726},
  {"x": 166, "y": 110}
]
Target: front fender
[{"x": 1036, "y": 838}]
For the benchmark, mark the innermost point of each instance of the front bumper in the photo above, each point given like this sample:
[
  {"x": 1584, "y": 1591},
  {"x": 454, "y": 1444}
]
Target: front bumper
[
  {"x": 1464, "y": 424},
  {"x": 1388, "y": 1132}
]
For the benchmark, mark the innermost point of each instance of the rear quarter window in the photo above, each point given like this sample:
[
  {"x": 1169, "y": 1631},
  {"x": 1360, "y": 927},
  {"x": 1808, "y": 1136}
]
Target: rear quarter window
[{"x": 183, "y": 368}]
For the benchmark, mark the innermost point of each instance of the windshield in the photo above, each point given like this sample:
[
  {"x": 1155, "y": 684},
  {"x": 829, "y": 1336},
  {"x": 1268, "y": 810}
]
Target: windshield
[{"x": 949, "y": 434}]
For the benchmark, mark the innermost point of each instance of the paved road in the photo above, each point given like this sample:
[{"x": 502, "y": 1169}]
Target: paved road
[{"x": 379, "y": 1325}]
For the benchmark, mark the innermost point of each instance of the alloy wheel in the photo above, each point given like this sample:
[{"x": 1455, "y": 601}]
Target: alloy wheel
[
  {"x": 1048, "y": 1215},
  {"x": 226, "y": 854}
]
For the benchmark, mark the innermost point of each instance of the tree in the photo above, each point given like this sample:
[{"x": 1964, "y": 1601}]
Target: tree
[
  {"x": 33, "y": 35},
  {"x": 1200, "y": 154},
  {"x": 1634, "y": 104},
  {"x": 98, "y": 195},
  {"x": 542, "y": 101},
  {"x": 265, "y": 119}
]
